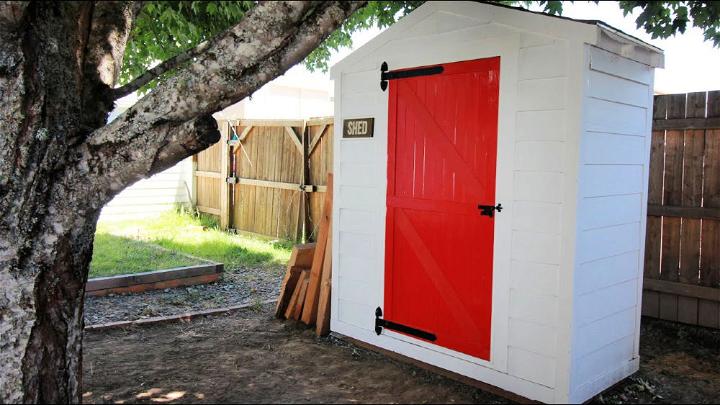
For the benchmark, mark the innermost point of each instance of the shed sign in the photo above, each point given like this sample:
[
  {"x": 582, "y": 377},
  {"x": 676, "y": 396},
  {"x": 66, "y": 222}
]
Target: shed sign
[{"x": 358, "y": 128}]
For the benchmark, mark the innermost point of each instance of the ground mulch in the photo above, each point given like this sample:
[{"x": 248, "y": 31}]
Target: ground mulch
[{"x": 251, "y": 357}]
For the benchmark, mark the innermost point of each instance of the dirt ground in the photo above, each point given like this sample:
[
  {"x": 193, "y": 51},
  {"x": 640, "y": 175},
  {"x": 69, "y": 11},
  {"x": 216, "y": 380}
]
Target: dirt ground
[{"x": 250, "y": 357}]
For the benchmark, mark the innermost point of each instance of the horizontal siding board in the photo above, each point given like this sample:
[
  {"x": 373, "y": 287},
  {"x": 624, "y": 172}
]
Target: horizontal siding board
[
  {"x": 609, "y": 117},
  {"x": 355, "y": 245},
  {"x": 539, "y": 217},
  {"x": 541, "y": 125},
  {"x": 603, "y": 148},
  {"x": 596, "y": 335},
  {"x": 595, "y": 364},
  {"x": 357, "y": 221},
  {"x": 356, "y": 314},
  {"x": 537, "y": 308},
  {"x": 359, "y": 82},
  {"x": 610, "y": 63},
  {"x": 356, "y": 291},
  {"x": 599, "y": 212},
  {"x": 540, "y": 156},
  {"x": 607, "y": 271},
  {"x": 606, "y": 301},
  {"x": 531, "y": 366},
  {"x": 355, "y": 268},
  {"x": 359, "y": 150},
  {"x": 542, "y": 62},
  {"x": 536, "y": 247},
  {"x": 361, "y": 174},
  {"x": 538, "y": 186},
  {"x": 363, "y": 105},
  {"x": 607, "y": 180},
  {"x": 360, "y": 197},
  {"x": 613, "y": 88},
  {"x": 600, "y": 243},
  {"x": 537, "y": 278},
  {"x": 541, "y": 94},
  {"x": 533, "y": 337}
]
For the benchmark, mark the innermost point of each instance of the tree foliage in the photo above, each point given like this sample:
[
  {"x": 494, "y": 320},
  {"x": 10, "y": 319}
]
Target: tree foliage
[{"x": 164, "y": 29}]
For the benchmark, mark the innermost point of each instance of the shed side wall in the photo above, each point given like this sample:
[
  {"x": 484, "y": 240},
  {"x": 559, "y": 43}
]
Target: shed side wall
[{"x": 611, "y": 216}]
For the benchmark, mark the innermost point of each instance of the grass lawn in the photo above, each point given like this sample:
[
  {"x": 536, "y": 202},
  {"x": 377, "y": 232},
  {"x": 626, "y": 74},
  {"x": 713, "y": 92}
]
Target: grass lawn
[
  {"x": 115, "y": 255},
  {"x": 131, "y": 246}
]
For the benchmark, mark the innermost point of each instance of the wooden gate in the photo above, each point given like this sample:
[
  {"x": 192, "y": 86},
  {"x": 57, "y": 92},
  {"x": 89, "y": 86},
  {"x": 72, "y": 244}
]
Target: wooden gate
[
  {"x": 266, "y": 176},
  {"x": 682, "y": 251}
]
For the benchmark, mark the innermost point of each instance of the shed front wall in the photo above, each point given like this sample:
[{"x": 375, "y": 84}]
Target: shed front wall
[{"x": 540, "y": 98}]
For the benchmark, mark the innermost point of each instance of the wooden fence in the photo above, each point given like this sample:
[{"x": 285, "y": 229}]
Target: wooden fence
[
  {"x": 266, "y": 176},
  {"x": 682, "y": 251}
]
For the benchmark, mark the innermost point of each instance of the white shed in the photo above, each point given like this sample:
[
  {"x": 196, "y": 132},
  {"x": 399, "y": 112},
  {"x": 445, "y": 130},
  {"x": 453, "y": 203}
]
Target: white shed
[{"x": 487, "y": 105}]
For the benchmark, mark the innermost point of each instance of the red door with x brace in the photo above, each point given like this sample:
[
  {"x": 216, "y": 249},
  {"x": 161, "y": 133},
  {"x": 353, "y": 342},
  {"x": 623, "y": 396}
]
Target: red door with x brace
[{"x": 441, "y": 165}]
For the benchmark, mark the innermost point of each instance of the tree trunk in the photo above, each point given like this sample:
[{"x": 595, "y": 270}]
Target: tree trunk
[
  {"x": 59, "y": 163},
  {"x": 51, "y": 98}
]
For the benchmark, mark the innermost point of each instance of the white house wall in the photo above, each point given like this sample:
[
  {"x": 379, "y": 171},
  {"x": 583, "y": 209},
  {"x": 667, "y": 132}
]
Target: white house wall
[
  {"x": 534, "y": 238},
  {"x": 152, "y": 196},
  {"x": 612, "y": 200}
]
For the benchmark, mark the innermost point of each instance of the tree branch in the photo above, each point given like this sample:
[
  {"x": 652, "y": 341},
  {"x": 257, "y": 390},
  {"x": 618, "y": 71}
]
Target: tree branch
[
  {"x": 172, "y": 122},
  {"x": 160, "y": 69}
]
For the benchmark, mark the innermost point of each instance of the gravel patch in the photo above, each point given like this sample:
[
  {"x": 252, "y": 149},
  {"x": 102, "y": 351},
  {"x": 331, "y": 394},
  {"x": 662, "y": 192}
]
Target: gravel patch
[{"x": 236, "y": 287}]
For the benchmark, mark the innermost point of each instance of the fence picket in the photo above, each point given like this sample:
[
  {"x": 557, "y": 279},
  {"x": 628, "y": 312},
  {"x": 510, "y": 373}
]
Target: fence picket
[{"x": 683, "y": 264}]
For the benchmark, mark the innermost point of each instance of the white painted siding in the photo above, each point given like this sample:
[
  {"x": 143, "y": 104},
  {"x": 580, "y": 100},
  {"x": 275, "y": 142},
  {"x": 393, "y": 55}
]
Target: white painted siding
[
  {"x": 614, "y": 154},
  {"x": 149, "y": 197}
]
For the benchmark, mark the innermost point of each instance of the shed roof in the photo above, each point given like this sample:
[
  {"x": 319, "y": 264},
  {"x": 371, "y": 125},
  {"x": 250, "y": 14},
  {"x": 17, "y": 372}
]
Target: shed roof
[{"x": 593, "y": 32}]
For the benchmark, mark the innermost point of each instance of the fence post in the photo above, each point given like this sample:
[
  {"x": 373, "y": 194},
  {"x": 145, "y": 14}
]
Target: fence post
[
  {"x": 224, "y": 173},
  {"x": 303, "y": 216},
  {"x": 193, "y": 181}
]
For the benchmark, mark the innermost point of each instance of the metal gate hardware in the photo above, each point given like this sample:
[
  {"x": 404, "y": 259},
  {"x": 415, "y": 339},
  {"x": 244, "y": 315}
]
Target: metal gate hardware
[
  {"x": 384, "y": 323},
  {"x": 386, "y": 75},
  {"x": 489, "y": 210}
]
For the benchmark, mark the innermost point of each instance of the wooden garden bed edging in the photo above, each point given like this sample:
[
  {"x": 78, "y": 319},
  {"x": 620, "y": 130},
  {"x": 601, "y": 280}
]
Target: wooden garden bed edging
[
  {"x": 155, "y": 280},
  {"x": 184, "y": 317}
]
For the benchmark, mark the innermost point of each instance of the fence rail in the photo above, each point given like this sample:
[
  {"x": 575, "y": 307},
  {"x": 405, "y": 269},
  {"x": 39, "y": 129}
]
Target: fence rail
[
  {"x": 266, "y": 176},
  {"x": 682, "y": 250}
]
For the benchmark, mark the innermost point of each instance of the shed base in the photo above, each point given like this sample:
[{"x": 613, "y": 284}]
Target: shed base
[{"x": 437, "y": 370}]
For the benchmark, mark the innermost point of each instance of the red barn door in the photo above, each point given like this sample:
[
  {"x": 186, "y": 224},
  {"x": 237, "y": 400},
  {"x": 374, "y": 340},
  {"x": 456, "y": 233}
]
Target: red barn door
[{"x": 441, "y": 165}]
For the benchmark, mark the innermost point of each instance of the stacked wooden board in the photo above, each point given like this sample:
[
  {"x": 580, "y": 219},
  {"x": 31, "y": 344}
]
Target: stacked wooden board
[{"x": 305, "y": 291}]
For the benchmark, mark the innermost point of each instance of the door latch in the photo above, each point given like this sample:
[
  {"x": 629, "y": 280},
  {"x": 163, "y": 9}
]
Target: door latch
[{"x": 489, "y": 210}]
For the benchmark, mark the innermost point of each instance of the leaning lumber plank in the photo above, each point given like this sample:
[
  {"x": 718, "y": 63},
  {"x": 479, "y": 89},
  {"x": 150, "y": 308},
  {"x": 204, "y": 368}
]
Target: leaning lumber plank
[
  {"x": 295, "y": 296},
  {"x": 301, "y": 257},
  {"x": 302, "y": 296},
  {"x": 309, "y": 314},
  {"x": 289, "y": 285},
  {"x": 322, "y": 326}
]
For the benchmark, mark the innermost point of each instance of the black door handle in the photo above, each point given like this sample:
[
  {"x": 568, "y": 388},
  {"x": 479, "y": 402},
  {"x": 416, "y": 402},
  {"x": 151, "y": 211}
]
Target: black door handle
[{"x": 489, "y": 210}]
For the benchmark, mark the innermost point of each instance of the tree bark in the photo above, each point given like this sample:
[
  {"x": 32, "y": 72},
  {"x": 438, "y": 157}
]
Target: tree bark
[{"x": 59, "y": 163}]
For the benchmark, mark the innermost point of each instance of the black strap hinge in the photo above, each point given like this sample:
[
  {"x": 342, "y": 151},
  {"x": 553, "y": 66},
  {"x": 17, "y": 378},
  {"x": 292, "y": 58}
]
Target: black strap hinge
[
  {"x": 384, "y": 323},
  {"x": 386, "y": 75}
]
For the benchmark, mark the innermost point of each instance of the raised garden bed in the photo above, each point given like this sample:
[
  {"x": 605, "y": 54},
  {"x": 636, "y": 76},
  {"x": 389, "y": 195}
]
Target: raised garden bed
[{"x": 155, "y": 280}]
